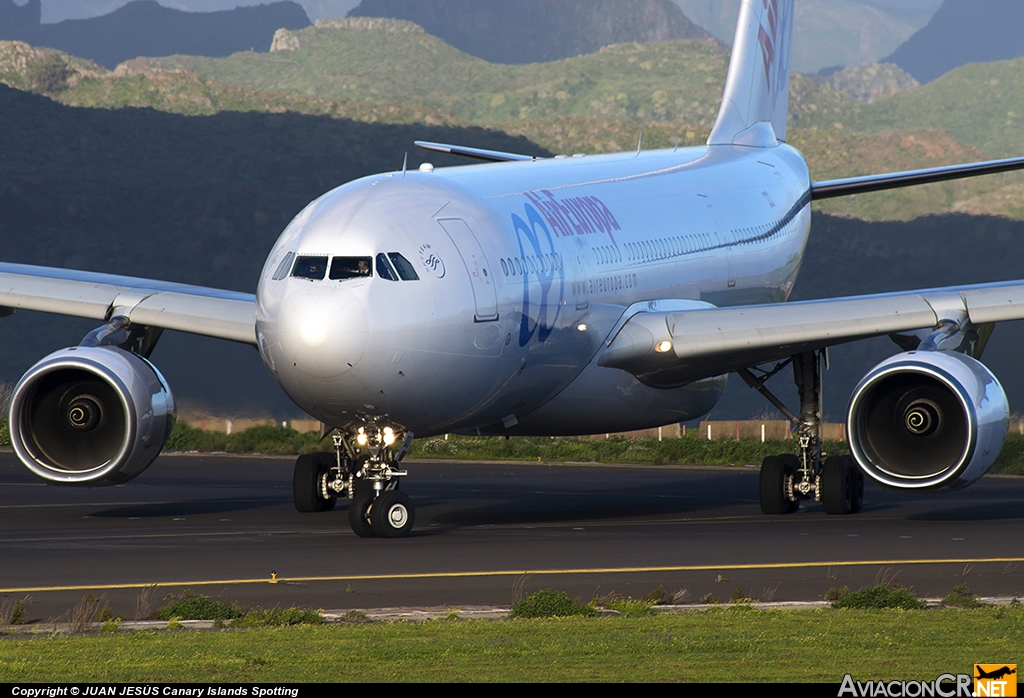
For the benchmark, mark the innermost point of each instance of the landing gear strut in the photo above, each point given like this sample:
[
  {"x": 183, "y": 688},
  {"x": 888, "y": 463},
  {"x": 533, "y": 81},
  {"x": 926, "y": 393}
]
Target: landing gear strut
[
  {"x": 787, "y": 480},
  {"x": 364, "y": 469}
]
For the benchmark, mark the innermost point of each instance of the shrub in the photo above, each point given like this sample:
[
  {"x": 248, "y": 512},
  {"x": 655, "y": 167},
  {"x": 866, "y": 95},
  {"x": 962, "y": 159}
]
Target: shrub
[
  {"x": 880, "y": 596},
  {"x": 260, "y": 617},
  {"x": 548, "y": 603},
  {"x": 836, "y": 593},
  {"x": 962, "y": 597},
  {"x": 189, "y": 606},
  {"x": 631, "y": 608}
]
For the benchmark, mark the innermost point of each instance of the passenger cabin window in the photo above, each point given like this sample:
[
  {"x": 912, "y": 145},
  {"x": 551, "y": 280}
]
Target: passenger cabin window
[
  {"x": 351, "y": 268},
  {"x": 312, "y": 268}
]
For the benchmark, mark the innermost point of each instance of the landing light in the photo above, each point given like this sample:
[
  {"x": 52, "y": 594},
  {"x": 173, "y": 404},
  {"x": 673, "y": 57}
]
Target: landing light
[
  {"x": 361, "y": 437},
  {"x": 581, "y": 327},
  {"x": 663, "y": 347},
  {"x": 389, "y": 436}
]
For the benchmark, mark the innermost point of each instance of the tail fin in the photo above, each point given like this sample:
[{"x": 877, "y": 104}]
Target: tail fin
[{"x": 756, "y": 96}]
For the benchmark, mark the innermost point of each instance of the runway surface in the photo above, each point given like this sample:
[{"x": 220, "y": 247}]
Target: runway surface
[{"x": 484, "y": 532}]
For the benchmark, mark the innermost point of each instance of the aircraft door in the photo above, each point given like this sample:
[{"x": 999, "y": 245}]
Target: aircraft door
[{"x": 485, "y": 294}]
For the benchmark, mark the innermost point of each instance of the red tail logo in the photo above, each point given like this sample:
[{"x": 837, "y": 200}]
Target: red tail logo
[{"x": 767, "y": 39}]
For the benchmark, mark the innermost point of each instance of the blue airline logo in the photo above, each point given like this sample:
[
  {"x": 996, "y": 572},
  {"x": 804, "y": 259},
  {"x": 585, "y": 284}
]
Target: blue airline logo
[{"x": 540, "y": 304}]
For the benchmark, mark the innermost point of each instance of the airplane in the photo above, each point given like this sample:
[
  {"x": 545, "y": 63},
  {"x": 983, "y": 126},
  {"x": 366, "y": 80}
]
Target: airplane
[{"x": 544, "y": 296}]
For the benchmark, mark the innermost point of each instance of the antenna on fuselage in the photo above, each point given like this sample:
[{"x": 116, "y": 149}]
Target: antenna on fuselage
[
  {"x": 405, "y": 163},
  {"x": 677, "y": 145},
  {"x": 639, "y": 141}
]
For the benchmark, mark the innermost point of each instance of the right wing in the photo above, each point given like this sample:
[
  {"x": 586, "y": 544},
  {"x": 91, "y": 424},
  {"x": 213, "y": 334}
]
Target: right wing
[
  {"x": 195, "y": 309},
  {"x": 670, "y": 348}
]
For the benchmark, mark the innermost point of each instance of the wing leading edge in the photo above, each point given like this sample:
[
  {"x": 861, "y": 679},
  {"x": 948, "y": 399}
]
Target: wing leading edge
[
  {"x": 194, "y": 309},
  {"x": 668, "y": 348}
]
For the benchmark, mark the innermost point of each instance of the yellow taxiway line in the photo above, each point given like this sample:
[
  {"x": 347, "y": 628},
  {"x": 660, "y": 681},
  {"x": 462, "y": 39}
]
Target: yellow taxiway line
[{"x": 515, "y": 573}]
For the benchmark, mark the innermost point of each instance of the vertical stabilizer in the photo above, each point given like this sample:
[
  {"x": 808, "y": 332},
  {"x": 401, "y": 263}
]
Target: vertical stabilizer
[{"x": 756, "y": 96}]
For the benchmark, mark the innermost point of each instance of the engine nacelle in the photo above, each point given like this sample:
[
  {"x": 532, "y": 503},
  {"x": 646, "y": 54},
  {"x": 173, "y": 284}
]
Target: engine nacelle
[
  {"x": 90, "y": 416},
  {"x": 927, "y": 419}
]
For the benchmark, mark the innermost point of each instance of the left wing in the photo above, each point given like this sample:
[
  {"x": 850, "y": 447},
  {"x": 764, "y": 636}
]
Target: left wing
[
  {"x": 669, "y": 348},
  {"x": 195, "y": 309}
]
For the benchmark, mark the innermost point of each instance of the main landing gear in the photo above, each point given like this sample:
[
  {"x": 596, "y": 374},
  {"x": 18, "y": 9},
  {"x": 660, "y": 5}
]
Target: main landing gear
[
  {"x": 788, "y": 479},
  {"x": 364, "y": 469}
]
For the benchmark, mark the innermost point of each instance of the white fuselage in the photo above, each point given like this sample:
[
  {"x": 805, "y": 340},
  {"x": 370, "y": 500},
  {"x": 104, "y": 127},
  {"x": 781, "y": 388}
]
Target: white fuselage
[{"x": 526, "y": 270}]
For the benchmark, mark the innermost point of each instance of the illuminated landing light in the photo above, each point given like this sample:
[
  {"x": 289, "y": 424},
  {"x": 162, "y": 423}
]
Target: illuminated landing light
[
  {"x": 361, "y": 438},
  {"x": 389, "y": 436},
  {"x": 581, "y": 327},
  {"x": 663, "y": 347}
]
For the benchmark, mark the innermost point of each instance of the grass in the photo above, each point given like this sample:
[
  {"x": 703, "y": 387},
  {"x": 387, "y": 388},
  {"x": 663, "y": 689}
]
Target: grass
[{"x": 723, "y": 645}]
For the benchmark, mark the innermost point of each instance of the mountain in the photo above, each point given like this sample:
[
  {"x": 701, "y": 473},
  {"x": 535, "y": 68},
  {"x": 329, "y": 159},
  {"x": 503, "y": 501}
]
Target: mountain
[
  {"x": 145, "y": 28},
  {"x": 17, "y": 16},
  {"x": 535, "y": 31},
  {"x": 962, "y": 32},
  {"x": 827, "y": 33},
  {"x": 395, "y": 60}
]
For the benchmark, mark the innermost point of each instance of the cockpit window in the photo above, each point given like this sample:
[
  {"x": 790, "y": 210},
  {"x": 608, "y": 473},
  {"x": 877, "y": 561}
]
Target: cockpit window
[
  {"x": 384, "y": 269},
  {"x": 312, "y": 268},
  {"x": 351, "y": 268},
  {"x": 404, "y": 267},
  {"x": 284, "y": 267}
]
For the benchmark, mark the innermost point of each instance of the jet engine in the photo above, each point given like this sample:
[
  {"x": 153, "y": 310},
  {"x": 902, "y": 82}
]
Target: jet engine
[
  {"x": 927, "y": 420},
  {"x": 90, "y": 416}
]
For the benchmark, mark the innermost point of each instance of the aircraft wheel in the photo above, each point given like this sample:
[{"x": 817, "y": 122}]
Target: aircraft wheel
[
  {"x": 791, "y": 464},
  {"x": 310, "y": 470},
  {"x": 857, "y": 482},
  {"x": 773, "y": 486},
  {"x": 359, "y": 509},
  {"x": 838, "y": 487},
  {"x": 392, "y": 514}
]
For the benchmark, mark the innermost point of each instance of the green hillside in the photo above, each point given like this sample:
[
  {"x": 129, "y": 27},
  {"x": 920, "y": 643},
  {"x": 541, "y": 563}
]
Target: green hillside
[
  {"x": 981, "y": 104},
  {"x": 389, "y": 60},
  {"x": 386, "y": 71}
]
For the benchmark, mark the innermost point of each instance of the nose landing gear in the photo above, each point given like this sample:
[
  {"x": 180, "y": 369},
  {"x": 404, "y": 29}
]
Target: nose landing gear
[{"x": 364, "y": 469}]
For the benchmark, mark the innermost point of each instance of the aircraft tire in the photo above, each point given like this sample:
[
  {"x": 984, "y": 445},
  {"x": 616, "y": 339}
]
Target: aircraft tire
[
  {"x": 772, "y": 486},
  {"x": 857, "y": 481},
  {"x": 359, "y": 509},
  {"x": 837, "y": 480},
  {"x": 309, "y": 469},
  {"x": 392, "y": 514},
  {"x": 791, "y": 464}
]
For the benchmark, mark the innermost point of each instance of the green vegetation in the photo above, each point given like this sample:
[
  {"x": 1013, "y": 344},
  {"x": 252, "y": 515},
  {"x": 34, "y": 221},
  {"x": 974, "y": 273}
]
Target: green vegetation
[
  {"x": 190, "y": 606},
  {"x": 12, "y": 611},
  {"x": 725, "y": 644},
  {"x": 277, "y": 617},
  {"x": 881, "y": 596},
  {"x": 961, "y": 597},
  {"x": 548, "y": 603},
  {"x": 387, "y": 71},
  {"x": 688, "y": 450},
  {"x": 264, "y": 439}
]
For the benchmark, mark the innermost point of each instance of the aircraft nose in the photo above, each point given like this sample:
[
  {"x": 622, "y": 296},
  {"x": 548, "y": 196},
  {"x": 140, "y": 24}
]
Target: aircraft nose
[{"x": 323, "y": 331}]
